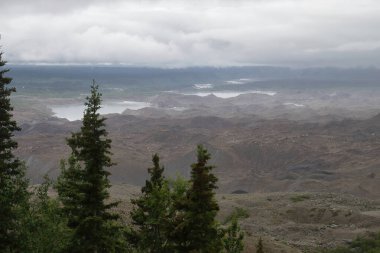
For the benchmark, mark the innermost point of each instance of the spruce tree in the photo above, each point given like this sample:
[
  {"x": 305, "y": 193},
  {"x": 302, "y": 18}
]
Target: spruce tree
[
  {"x": 83, "y": 186},
  {"x": 197, "y": 229},
  {"x": 150, "y": 214},
  {"x": 13, "y": 185}
]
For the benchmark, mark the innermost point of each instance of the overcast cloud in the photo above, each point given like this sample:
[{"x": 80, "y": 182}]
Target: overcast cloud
[{"x": 192, "y": 33}]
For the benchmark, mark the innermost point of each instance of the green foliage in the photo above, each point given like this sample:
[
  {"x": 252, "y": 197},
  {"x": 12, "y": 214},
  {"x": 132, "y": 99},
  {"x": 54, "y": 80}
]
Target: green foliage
[
  {"x": 179, "y": 187},
  {"x": 233, "y": 239},
  {"x": 196, "y": 228},
  {"x": 13, "y": 185},
  {"x": 83, "y": 185},
  {"x": 260, "y": 246},
  {"x": 339, "y": 250},
  {"x": 44, "y": 226},
  {"x": 69, "y": 186},
  {"x": 178, "y": 191},
  {"x": 299, "y": 198},
  {"x": 151, "y": 212},
  {"x": 238, "y": 213},
  {"x": 370, "y": 244}
]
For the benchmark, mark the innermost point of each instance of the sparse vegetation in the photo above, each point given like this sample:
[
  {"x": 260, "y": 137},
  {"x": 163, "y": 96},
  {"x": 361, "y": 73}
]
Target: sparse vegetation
[
  {"x": 369, "y": 244},
  {"x": 260, "y": 246},
  {"x": 299, "y": 198},
  {"x": 238, "y": 213}
]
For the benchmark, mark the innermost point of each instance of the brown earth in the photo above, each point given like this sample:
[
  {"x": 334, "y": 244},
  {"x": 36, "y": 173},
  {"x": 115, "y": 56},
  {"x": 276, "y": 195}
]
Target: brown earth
[
  {"x": 288, "y": 222},
  {"x": 250, "y": 154}
]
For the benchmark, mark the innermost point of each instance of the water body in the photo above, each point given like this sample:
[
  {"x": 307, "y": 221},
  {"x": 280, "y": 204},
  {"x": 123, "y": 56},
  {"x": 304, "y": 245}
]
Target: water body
[
  {"x": 75, "y": 111},
  {"x": 294, "y": 104},
  {"x": 232, "y": 94},
  {"x": 200, "y": 86}
]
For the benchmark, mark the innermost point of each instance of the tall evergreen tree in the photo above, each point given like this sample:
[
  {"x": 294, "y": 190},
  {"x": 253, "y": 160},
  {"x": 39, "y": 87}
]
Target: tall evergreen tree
[
  {"x": 83, "y": 186},
  {"x": 151, "y": 211},
  {"x": 13, "y": 185},
  {"x": 197, "y": 229}
]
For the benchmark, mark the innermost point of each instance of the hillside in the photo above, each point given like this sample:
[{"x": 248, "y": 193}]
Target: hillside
[
  {"x": 251, "y": 154},
  {"x": 289, "y": 222}
]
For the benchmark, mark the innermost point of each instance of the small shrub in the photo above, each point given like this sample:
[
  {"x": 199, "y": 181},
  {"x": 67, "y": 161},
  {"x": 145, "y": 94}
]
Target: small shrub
[
  {"x": 238, "y": 213},
  {"x": 369, "y": 244},
  {"x": 299, "y": 198},
  {"x": 259, "y": 246}
]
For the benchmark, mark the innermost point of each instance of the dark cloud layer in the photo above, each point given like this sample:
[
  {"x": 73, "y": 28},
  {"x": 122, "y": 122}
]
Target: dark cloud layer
[{"x": 187, "y": 33}]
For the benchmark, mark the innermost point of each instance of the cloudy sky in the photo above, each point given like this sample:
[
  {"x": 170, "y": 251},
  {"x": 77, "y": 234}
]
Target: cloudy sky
[{"x": 177, "y": 33}]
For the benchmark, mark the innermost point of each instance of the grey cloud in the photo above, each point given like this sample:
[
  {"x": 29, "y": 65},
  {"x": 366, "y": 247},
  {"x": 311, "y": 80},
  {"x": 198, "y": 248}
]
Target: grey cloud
[{"x": 188, "y": 33}]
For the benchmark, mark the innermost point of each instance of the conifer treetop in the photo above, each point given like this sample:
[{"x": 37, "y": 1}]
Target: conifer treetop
[{"x": 7, "y": 124}]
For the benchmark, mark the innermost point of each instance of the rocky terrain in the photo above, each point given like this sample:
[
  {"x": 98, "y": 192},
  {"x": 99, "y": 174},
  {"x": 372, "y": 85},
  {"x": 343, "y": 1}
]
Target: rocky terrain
[
  {"x": 251, "y": 154},
  {"x": 289, "y": 222}
]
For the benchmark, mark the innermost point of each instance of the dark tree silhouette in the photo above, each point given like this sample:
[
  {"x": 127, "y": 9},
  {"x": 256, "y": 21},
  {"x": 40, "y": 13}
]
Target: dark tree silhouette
[
  {"x": 13, "y": 185},
  {"x": 83, "y": 186}
]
